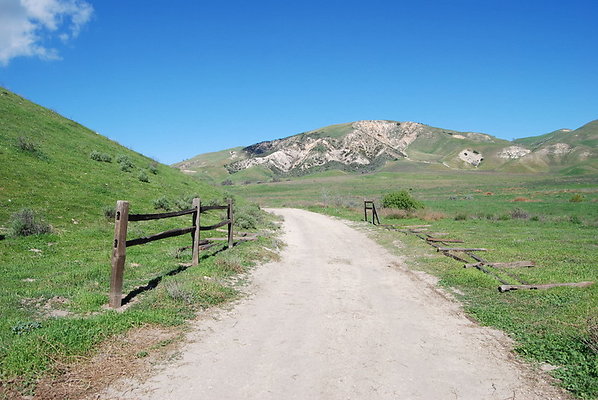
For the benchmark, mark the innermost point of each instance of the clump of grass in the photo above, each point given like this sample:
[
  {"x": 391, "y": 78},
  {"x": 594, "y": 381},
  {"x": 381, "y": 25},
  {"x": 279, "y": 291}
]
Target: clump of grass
[
  {"x": 27, "y": 145},
  {"x": 394, "y": 213},
  {"x": 230, "y": 263},
  {"x": 185, "y": 202},
  {"x": 102, "y": 157},
  {"x": 178, "y": 292},
  {"x": 125, "y": 162},
  {"x": 592, "y": 340},
  {"x": 577, "y": 198},
  {"x": 143, "y": 176},
  {"x": 109, "y": 212},
  {"x": 574, "y": 219},
  {"x": 27, "y": 222},
  {"x": 460, "y": 217},
  {"x": 504, "y": 217},
  {"x": 401, "y": 200},
  {"x": 519, "y": 213},
  {"x": 226, "y": 182},
  {"x": 162, "y": 203},
  {"x": 25, "y": 327}
]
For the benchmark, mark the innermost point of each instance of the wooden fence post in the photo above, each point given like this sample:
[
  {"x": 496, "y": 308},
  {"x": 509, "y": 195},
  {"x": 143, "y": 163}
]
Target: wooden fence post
[
  {"x": 365, "y": 211},
  {"x": 119, "y": 253},
  {"x": 196, "y": 218},
  {"x": 230, "y": 216}
]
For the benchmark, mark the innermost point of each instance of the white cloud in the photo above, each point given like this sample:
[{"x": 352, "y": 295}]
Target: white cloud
[{"x": 26, "y": 24}]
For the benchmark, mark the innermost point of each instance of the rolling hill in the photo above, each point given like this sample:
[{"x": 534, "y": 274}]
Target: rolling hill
[{"x": 367, "y": 146}]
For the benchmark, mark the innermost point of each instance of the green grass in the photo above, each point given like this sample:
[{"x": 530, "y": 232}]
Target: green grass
[
  {"x": 55, "y": 286},
  {"x": 558, "y": 235}
]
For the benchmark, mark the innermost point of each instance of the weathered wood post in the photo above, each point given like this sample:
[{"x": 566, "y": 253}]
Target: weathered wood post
[
  {"x": 119, "y": 253},
  {"x": 230, "y": 217},
  {"x": 365, "y": 211},
  {"x": 196, "y": 218}
]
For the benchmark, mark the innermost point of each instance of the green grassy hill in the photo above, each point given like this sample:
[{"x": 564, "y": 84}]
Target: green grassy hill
[{"x": 55, "y": 285}]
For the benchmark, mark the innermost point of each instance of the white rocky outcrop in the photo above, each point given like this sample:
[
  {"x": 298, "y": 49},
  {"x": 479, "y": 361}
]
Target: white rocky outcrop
[
  {"x": 472, "y": 157},
  {"x": 513, "y": 152}
]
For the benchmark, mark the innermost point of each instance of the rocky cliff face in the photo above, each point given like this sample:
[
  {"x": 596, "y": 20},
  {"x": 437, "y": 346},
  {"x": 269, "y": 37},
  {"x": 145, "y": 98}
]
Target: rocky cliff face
[{"x": 364, "y": 143}]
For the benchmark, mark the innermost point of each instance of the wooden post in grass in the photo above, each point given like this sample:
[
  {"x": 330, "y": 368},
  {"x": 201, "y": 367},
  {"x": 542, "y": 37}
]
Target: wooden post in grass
[
  {"x": 119, "y": 253},
  {"x": 230, "y": 217},
  {"x": 196, "y": 218},
  {"x": 365, "y": 211}
]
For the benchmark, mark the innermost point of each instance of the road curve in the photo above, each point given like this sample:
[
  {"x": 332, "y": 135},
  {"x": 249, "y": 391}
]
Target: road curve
[{"x": 338, "y": 317}]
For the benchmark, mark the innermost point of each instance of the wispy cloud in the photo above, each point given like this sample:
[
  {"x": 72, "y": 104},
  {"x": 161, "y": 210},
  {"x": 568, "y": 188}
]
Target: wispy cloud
[{"x": 26, "y": 25}]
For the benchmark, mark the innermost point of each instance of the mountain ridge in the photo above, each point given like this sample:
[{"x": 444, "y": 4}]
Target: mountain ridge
[{"x": 367, "y": 145}]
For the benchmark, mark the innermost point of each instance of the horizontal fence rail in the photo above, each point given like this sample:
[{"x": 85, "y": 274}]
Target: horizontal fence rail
[{"x": 120, "y": 244}]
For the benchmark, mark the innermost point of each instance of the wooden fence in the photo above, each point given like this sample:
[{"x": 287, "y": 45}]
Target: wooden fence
[
  {"x": 369, "y": 205},
  {"x": 120, "y": 244}
]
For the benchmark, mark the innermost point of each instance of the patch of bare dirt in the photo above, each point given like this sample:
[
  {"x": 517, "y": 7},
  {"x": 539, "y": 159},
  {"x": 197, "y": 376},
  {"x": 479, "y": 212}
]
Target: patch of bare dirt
[{"x": 131, "y": 354}]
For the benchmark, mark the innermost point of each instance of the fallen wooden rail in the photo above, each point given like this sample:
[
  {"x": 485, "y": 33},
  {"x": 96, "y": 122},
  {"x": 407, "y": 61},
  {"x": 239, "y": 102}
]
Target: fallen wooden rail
[{"x": 120, "y": 243}]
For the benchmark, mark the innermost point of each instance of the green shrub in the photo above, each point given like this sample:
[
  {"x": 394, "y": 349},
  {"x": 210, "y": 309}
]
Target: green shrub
[
  {"x": 103, "y": 157},
  {"x": 519, "y": 213},
  {"x": 226, "y": 182},
  {"x": 125, "y": 162},
  {"x": 248, "y": 217},
  {"x": 577, "y": 198},
  {"x": 575, "y": 219},
  {"x": 27, "y": 222},
  {"x": 143, "y": 176},
  {"x": 460, "y": 217},
  {"x": 153, "y": 168},
  {"x": 401, "y": 200},
  {"x": 25, "y": 144},
  {"x": 162, "y": 203}
]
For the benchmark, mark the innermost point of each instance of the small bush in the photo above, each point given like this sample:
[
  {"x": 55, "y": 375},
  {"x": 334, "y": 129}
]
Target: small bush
[
  {"x": 143, "y": 176},
  {"x": 27, "y": 222},
  {"x": 25, "y": 327},
  {"x": 162, "y": 204},
  {"x": 153, "y": 168},
  {"x": 460, "y": 217},
  {"x": 185, "y": 202},
  {"x": 109, "y": 212},
  {"x": 25, "y": 144},
  {"x": 226, "y": 182},
  {"x": 178, "y": 292},
  {"x": 248, "y": 217},
  {"x": 577, "y": 198},
  {"x": 125, "y": 162},
  {"x": 534, "y": 218},
  {"x": 401, "y": 200},
  {"x": 518, "y": 213},
  {"x": 575, "y": 219},
  {"x": 102, "y": 157},
  {"x": 504, "y": 217}
]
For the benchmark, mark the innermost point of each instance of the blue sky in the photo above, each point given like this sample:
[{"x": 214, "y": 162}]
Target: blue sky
[{"x": 178, "y": 78}]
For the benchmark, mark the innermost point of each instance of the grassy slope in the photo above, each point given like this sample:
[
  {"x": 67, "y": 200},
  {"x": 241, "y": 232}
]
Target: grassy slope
[
  {"x": 70, "y": 268},
  {"x": 549, "y": 326}
]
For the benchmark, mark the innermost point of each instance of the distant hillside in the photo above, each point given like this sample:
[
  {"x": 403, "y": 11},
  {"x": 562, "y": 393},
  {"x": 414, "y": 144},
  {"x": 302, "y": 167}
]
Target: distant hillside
[
  {"x": 366, "y": 146},
  {"x": 46, "y": 164}
]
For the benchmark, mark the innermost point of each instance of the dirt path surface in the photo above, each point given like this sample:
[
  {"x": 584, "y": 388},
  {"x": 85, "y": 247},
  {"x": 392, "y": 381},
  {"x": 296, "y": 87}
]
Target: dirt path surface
[{"x": 340, "y": 318}]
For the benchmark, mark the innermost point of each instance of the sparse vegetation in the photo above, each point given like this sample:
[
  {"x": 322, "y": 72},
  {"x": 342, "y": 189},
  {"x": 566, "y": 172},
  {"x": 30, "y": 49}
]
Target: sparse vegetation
[
  {"x": 153, "y": 168},
  {"x": 27, "y": 222},
  {"x": 577, "y": 198},
  {"x": 27, "y": 144}
]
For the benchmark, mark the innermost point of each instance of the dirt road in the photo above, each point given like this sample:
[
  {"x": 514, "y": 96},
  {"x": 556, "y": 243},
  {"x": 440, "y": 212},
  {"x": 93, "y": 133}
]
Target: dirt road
[{"x": 340, "y": 318}]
